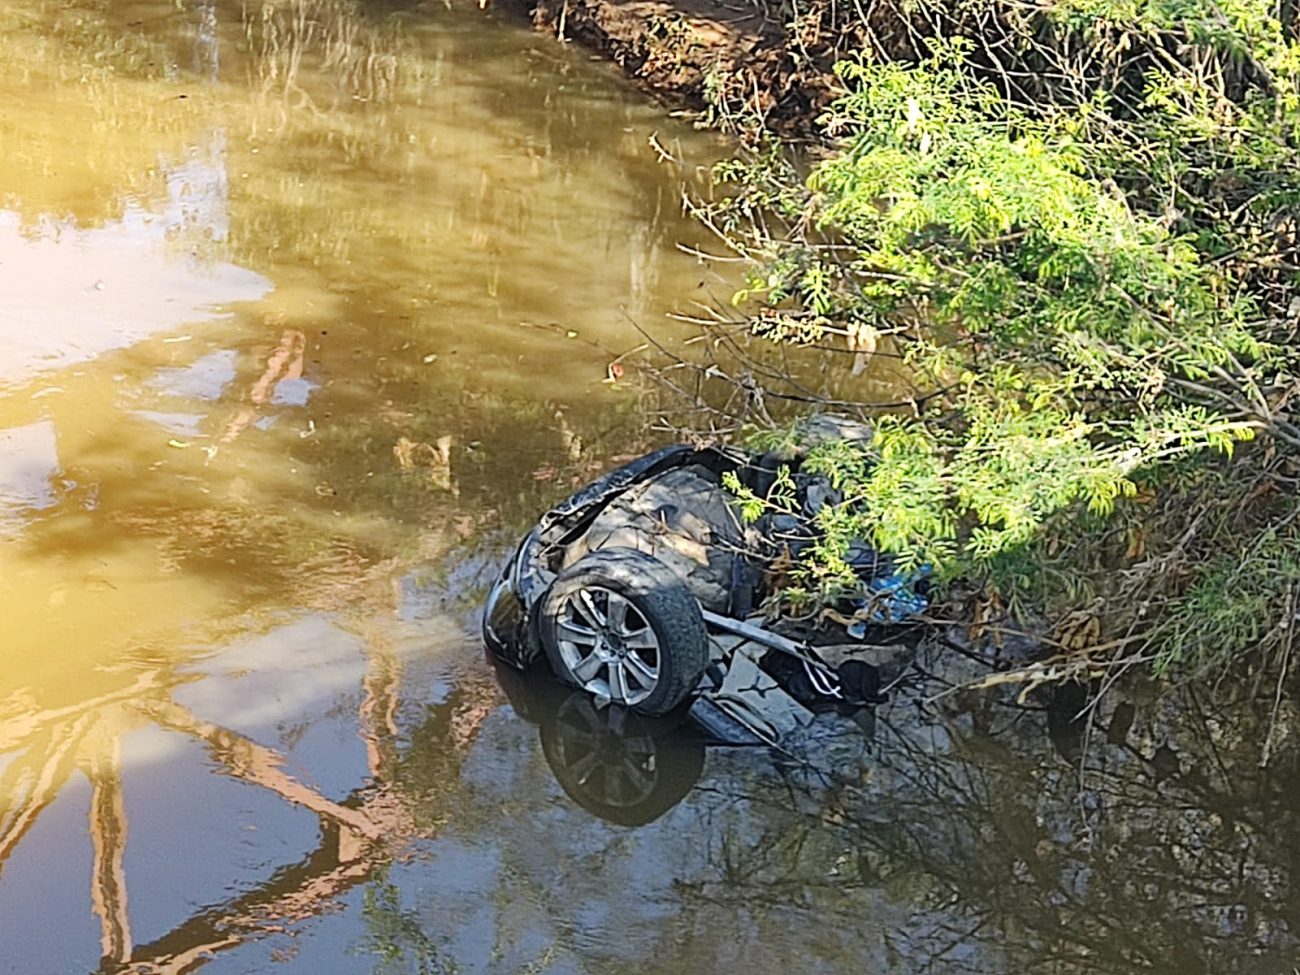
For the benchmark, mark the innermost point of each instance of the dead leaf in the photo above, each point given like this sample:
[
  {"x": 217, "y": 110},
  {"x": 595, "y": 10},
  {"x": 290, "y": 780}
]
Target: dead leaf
[
  {"x": 1080, "y": 628},
  {"x": 1137, "y": 544}
]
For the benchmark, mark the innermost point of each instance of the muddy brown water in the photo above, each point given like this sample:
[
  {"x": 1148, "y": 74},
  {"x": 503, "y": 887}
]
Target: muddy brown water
[{"x": 305, "y": 310}]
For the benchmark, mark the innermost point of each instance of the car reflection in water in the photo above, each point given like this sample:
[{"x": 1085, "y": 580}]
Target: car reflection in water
[
  {"x": 629, "y": 769},
  {"x": 625, "y": 768}
]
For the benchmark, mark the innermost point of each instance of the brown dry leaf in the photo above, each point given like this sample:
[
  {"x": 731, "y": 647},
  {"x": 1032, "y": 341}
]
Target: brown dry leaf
[
  {"x": 435, "y": 461},
  {"x": 1080, "y": 628},
  {"x": 779, "y": 571},
  {"x": 1146, "y": 494},
  {"x": 1137, "y": 544},
  {"x": 829, "y": 613},
  {"x": 983, "y": 610},
  {"x": 404, "y": 451}
]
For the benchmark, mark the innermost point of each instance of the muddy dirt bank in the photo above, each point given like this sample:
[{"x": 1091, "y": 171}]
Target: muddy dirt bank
[{"x": 737, "y": 62}]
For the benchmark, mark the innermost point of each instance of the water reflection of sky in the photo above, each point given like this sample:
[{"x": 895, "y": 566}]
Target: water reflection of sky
[
  {"x": 204, "y": 378},
  {"x": 68, "y": 293},
  {"x": 29, "y": 461}
]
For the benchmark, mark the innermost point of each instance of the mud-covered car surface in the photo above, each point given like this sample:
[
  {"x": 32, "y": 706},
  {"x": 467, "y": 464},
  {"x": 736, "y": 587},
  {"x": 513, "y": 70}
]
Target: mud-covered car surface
[{"x": 645, "y": 589}]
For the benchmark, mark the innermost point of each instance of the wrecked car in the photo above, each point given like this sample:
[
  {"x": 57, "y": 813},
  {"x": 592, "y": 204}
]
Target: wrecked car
[{"x": 645, "y": 589}]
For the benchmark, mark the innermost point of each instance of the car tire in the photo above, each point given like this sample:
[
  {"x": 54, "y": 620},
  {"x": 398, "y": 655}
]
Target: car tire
[{"x": 622, "y": 626}]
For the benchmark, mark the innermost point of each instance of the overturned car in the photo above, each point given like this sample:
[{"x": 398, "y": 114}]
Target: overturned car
[{"x": 646, "y": 590}]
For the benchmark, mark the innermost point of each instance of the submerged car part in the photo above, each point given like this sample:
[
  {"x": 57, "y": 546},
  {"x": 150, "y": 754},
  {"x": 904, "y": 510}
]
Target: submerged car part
[{"x": 629, "y": 768}]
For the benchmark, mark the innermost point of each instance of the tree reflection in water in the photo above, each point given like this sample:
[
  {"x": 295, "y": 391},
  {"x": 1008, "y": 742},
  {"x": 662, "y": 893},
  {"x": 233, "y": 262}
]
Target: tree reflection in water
[
  {"x": 968, "y": 842},
  {"x": 972, "y": 844},
  {"x": 356, "y": 834}
]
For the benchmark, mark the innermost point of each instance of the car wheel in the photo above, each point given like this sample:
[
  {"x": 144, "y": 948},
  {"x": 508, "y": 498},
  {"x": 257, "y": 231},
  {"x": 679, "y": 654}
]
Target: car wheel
[{"x": 623, "y": 627}]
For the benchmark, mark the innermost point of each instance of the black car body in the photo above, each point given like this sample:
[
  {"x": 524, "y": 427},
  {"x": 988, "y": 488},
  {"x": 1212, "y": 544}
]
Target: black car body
[{"x": 643, "y": 589}]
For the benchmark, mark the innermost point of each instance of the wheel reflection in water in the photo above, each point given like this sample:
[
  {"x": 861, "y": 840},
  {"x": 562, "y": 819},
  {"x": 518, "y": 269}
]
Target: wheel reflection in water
[{"x": 617, "y": 765}]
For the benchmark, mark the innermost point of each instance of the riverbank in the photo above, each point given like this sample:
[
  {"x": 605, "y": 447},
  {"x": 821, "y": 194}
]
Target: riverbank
[
  {"x": 1188, "y": 572},
  {"x": 735, "y": 62}
]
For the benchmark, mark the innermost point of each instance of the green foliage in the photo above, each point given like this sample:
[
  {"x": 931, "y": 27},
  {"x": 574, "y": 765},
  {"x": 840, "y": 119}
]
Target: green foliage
[
  {"x": 1084, "y": 283},
  {"x": 1231, "y": 605},
  {"x": 977, "y": 220}
]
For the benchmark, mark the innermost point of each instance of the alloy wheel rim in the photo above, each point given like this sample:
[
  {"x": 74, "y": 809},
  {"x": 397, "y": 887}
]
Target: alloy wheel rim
[{"x": 608, "y": 647}]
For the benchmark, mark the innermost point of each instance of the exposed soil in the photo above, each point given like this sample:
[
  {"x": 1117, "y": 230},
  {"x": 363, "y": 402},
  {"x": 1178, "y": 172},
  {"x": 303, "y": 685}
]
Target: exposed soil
[{"x": 736, "y": 61}]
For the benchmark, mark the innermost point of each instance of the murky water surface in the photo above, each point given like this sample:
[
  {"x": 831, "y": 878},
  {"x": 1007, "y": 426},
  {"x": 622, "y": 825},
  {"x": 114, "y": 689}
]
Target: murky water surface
[{"x": 305, "y": 311}]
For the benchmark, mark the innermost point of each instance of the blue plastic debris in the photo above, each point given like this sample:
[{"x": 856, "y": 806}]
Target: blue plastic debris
[{"x": 891, "y": 598}]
